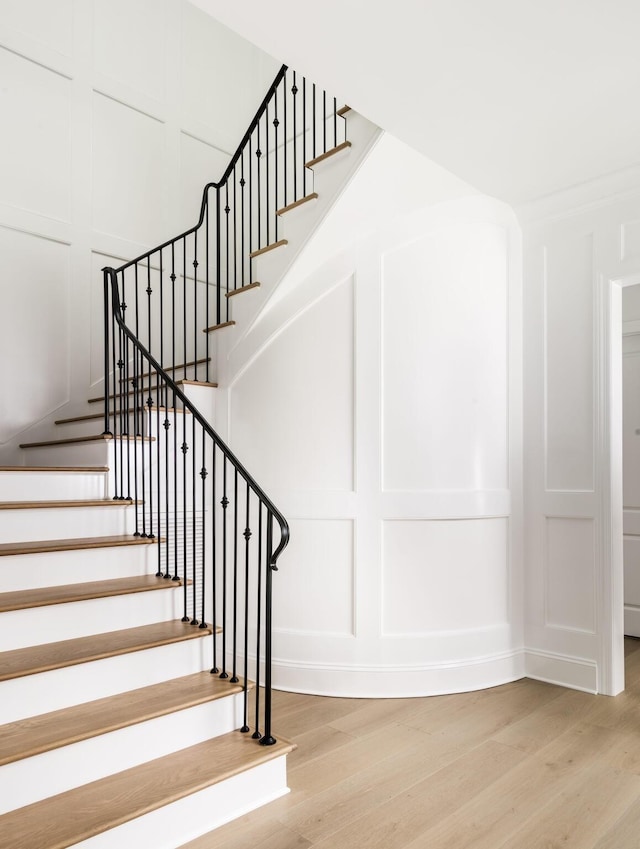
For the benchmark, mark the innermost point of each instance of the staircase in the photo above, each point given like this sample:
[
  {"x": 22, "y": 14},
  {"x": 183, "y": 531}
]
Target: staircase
[{"x": 137, "y": 552}]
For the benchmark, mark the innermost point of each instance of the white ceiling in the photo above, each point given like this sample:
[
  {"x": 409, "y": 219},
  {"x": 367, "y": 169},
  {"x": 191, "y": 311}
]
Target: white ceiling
[{"x": 520, "y": 98}]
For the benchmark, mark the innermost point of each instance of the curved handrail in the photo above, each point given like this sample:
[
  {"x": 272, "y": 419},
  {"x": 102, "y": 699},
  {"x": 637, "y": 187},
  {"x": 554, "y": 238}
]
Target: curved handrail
[
  {"x": 216, "y": 185},
  {"x": 178, "y": 393}
]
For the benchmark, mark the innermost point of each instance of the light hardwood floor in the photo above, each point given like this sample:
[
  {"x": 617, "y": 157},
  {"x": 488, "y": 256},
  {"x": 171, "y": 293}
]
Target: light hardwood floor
[{"x": 523, "y": 766}]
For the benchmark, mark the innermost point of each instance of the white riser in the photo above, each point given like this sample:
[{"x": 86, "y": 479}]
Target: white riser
[
  {"x": 173, "y": 825},
  {"x": 60, "y": 688},
  {"x": 65, "y": 523},
  {"x": 56, "y": 622},
  {"x": 28, "y": 571},
  {"x": 44, "y": 486},
  {"x": 79, "y": 454},
  {"x": 53, "y": 772}
]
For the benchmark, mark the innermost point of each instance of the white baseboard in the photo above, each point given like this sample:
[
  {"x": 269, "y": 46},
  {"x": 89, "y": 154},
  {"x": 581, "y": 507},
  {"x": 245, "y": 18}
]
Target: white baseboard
[
  {"x": 573, "y": 672},
  {"x": 399, "y": 681}
]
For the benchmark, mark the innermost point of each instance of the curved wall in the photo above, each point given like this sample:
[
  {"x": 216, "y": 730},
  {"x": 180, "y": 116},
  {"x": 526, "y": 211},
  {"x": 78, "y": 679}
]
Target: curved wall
[{"x": 379, "y": 402}]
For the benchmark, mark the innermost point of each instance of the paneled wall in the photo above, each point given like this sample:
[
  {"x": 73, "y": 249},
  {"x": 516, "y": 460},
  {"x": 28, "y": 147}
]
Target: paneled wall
[
  {"x": 378, "y": 401},
  {"x": 114, "y": 115},
  {"x": 575, "y": 245}
]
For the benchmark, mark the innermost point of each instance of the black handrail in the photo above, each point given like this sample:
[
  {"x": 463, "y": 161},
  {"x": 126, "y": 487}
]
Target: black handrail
[{"x": 154, "y": 421}]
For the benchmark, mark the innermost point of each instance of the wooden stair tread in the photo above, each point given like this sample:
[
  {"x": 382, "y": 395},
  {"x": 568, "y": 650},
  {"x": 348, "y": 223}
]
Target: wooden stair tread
[
  {"x": 34, "y": 735},
  {"x": 95, "y": 417},
  {"x": 42, "y": 658},
  {"x": 218, "y": 327},
  {"x": 155, "y": 388},
  {"x": 343, "y": 110},
  {"x": 43, "y": 505},
  {"x": 241, "y": 289},
  {"x": 74, "y": 440},
  {"x": 170, "y": 369},
  {"x": 344, "y": 146},
  {"x": 74, "y": 544},
  {"x": 65, "y": 593},
  {"x": 296, "y": 203},
  {"x": 54, "y": 468},
  {"x": 68, "y": 818},
  {"x": 279, "y": 244}
]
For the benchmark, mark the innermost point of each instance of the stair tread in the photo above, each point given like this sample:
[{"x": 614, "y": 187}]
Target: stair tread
[
  {"x": 241, "y": 289},
  {"x": 34, "y": 735},
  {"x": 42, "y": 658},
  {"x": 65, "y": 593},
  {"x": 155, "y": 388},
  {"x": 279, "y": 244},
  {"x": 296, "y": 203},
  {"x": 68, "y": 818},
  {"x": 218, "y": 327},
  {"x": 82, "y": 469},
  {"x": 94, "y": 417},
  {"x": 337, "y": 149},
  {"x": 73, "y": 440},
  {"x": 87, "y": 502},
  {"x": 73, "y": 544}
]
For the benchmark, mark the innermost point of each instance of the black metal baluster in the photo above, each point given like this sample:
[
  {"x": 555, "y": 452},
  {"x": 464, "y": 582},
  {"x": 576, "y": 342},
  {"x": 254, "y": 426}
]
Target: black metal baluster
[
  {"x": 313, "y": 119},
  {"x": 184, "y": 299},
  {"x": 203, "y": 476},
  {"x": 150, "y": 535},
  {"x": 276, "y": 123},
  {"x": 167, "y": 536},
  {"x": 225, "y": 503},
  {"x": 206, "y": 308},
  {"x": 294, "y": 92},
  {"x": 227, "y": 210},
  {"x": 324, "y": 121},
  {"x": 218, "y": 280},
  {"x": 286, "y": 138},
  {"x": 268, "y": 739},
  {"x": 176, "y": 419},
  {"x": 256, "y": 734},
  {"x": 235, "y": 232},
  {"x": 136, "y": 428},
  {"x": 250, "y": 205},
  {"x": 335, "y": 122},
  {"x": 194, "y": 559},
  {"x": 116, "y": 391},
  {"x": 195, "y": 309},
  {"x": 242, "y": 185},
  {"x": 234, "y": 677},
  {"x": 158, "y": 470},
  {"x": 107, "y": 347},
  {"x": 245, "y": 685},
  {"x": 267, "y": 171},
  {"x": 214, "y": 560},
  {"x": 304, "y": 136},
  {"x": 184, "y": 448},
  {"x": 172, "y": 277},
  {"x": 259, "y": 197}
]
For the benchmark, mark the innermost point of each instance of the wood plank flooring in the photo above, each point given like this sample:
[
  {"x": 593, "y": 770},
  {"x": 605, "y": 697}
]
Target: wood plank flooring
[{"x": 523, "y": 766}]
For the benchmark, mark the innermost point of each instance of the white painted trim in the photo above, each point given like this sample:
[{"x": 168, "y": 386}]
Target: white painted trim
[
  {"x": 631, "y": 328},
  {"x": 399, "y": 681},
  {"x": 564, "y": 670},
  {"x": 632, "y": 620},
  {"x": 609, "y": 562}
]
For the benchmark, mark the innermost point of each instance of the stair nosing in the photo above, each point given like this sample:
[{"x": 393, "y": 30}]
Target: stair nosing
[
  {"x": 108, "y": 588},
  {"x": 164, "y": 780},
  {"x": 8, "y": 549},
  {"x": 56, "y": 650},
  {"x": 125, "y": 706},
  {"x": 69, "y": 503},
  {"x": 345, "y": 145}
]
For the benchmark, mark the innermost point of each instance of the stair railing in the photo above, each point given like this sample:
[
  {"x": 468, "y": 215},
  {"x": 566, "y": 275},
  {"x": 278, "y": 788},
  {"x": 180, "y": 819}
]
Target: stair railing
[{"x": 213, "y": 524}]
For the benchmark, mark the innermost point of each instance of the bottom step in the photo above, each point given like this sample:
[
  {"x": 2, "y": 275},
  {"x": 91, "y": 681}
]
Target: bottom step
[{"x": 161, "y": 804}]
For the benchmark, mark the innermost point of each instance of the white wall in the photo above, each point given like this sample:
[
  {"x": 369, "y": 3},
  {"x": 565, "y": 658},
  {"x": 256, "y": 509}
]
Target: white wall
[
  {"x": 114, "y": 114},
  {"x": 378, "y": 401},
  {"x": 575, "y": 243}
]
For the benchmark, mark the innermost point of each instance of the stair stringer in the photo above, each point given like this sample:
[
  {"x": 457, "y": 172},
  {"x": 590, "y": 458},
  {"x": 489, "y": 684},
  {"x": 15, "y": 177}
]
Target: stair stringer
[{"x": 331, "y": 179}]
